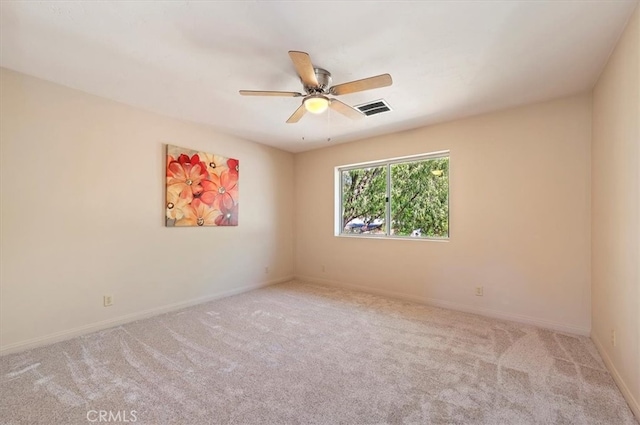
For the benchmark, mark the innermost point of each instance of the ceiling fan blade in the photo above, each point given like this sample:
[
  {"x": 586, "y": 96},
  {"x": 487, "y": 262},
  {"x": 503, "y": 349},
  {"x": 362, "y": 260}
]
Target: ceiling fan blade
[
  {"x": 304, "y": 68},
  {"x": 270, "y": 93},
  {"x": 345, "y": 109},
  {"x": 378, "y": 81},
  {"x": 295, "y": 117}
]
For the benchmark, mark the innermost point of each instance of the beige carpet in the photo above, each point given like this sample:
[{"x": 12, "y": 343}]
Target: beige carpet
[{"x": 306, "y": 354}]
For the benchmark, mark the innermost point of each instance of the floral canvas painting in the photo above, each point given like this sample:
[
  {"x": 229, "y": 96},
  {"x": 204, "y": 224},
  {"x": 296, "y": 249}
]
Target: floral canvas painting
[{"x": 202, "y": 188}]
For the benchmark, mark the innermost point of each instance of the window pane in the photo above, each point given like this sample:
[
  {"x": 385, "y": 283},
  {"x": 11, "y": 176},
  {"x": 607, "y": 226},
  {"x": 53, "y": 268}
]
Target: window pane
[
  {"x": 420, "y": 198},
  {"x": 364, "y": 200}
]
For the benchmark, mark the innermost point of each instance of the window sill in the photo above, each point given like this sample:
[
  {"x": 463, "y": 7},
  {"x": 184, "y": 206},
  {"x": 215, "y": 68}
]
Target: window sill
[{"x": 395, "y": 238}]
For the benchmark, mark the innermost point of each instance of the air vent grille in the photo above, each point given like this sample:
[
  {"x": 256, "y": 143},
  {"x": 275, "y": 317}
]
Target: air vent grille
[{"x": 375, "y": 107}]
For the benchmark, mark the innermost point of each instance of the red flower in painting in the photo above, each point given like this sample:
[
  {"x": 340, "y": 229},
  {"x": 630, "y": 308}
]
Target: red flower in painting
[
  {"x": 234, "y": 167},
  {"x": 198, "y": 214},
  {"x": 184, "y": 176},
  {"x": 220, "y": 190},
  {"x": 229, "y": 216},
  {"x": 170, "y": 159}
]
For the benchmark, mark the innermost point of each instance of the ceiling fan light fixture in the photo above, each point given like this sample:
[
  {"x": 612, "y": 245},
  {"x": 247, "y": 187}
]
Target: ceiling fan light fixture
[{"x": 316, "y": 104}]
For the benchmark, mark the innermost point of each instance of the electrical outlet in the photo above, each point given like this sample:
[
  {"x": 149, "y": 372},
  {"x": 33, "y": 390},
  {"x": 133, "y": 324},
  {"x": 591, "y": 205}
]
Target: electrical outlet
[
  {"x": 266, "y": 270},
  {"x": 479, "y": 291},
  {"x": 614, "y": 342},
  {"x": 107, "y": 300}
]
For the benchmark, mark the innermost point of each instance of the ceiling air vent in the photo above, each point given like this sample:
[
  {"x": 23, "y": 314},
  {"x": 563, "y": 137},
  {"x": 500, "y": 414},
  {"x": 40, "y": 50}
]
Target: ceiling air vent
[{"x": 375, "y": 107}]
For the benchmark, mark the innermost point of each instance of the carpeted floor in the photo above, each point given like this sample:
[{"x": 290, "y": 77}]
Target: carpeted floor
[{"x": 306, "y": 354}]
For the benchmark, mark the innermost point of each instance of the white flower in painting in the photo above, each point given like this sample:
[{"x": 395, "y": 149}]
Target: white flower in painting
[
  {"x": 216, "y": 164},
  {"x": 175, "y": 204},
  {"x": 199, "y": 214}
]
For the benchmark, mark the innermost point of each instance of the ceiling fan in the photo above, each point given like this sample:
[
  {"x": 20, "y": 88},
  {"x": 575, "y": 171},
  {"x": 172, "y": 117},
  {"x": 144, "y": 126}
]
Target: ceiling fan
[{"x": 316, "y": 82}]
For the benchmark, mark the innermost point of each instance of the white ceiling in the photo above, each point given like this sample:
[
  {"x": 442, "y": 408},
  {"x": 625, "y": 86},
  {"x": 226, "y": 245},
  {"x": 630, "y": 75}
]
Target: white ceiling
[{"x": 448, "y": 59}]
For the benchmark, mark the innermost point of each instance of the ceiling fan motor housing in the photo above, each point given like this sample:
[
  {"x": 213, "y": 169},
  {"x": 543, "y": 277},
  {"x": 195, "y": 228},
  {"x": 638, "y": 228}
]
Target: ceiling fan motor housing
[{"x": 324, "y": 81}]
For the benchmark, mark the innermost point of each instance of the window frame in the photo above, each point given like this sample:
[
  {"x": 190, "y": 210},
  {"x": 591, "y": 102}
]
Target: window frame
[{"x": 387, "y": 163}]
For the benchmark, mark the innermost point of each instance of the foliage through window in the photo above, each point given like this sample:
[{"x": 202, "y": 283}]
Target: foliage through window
[{"x": 401, "y": 197}]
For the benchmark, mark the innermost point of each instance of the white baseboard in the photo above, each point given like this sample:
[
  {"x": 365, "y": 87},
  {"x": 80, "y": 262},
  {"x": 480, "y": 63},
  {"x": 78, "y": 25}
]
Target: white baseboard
[
  {"x": 116, "y": 321},
  {"x": 542, "y": 323},
  {"x": 624, "y": 389}
]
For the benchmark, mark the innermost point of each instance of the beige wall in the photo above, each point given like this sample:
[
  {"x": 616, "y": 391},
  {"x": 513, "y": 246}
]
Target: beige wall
[
  {"x": 616, "y": 212},
  {"x": 519, "y": 218},
  {"x": 83, "y": 215}
]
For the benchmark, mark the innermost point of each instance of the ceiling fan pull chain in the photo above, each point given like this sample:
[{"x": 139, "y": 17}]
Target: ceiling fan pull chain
[{"x": 328, "y": 126}]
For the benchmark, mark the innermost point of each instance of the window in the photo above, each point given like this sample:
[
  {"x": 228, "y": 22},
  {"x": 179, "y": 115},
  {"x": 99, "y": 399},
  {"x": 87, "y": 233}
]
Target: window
[{"x": 402, "y": 197}]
